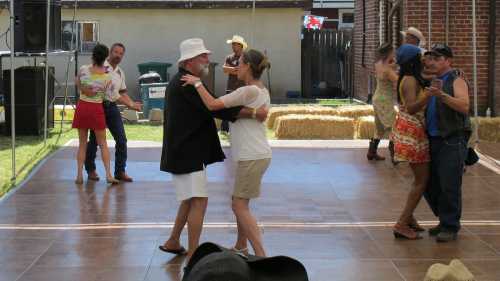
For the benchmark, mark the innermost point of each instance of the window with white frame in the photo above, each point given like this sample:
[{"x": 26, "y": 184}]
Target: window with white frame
[
  {"x": 80, "y": 35},
  {"x": 346, "y": 18}
]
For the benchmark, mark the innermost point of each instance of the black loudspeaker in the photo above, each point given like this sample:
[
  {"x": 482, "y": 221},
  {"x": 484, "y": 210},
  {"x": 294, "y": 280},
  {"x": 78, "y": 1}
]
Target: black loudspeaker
[
  {"x": 31, "y": 26},
  {"x": 29, "y": 101}
]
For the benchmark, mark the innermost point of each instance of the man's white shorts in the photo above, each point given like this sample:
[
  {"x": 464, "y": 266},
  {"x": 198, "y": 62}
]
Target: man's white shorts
[{"x": 190, "y": 185}]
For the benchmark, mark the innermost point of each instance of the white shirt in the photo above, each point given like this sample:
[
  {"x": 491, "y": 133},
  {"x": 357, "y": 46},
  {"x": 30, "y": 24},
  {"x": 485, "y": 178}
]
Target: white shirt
[
  {"x": 118, "y": 81},
  {"x": 248, "y": 136}
]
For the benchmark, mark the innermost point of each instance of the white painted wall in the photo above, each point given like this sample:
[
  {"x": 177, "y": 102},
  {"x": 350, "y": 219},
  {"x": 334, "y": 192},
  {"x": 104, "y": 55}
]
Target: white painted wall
[{"x": 154, "y": 35}]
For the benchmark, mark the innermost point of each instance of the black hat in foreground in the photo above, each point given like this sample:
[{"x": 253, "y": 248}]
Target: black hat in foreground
[{"x": 211, "y": 262}]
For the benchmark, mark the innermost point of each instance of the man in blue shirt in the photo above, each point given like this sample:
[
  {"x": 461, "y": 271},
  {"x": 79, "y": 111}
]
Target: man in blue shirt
[{"x": 448, "y": 127}]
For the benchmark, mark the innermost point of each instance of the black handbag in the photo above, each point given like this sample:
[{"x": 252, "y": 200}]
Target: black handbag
[{"x": 471, "y": 157}]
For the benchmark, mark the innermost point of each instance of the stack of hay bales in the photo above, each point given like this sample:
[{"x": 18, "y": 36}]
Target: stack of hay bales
[
  {"x": 488, "y": 128},
  {"x": 276, "y": 112},
  {"x": 309, "y": 126},
  {"x": 365, "y": 127},
  {"x": 355, "y": 111}
]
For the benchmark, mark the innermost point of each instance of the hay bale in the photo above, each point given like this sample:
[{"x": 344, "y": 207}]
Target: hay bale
[
  {"x": 365, "y": 127},
  {"x": 309, "y": 126},
  {"x": 488, "y": 128},
  {"x": 355, "y": 111},
  {"x": 276, "y": 112}
]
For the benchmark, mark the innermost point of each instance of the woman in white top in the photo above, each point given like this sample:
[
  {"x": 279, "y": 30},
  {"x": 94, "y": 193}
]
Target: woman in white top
[{"x": 249, "y": 146}]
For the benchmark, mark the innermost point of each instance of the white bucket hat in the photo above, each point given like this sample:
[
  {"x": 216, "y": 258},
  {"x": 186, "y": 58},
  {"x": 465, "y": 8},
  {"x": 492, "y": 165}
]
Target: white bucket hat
[
  {"x": 238, "y": 39},
  {"x": 191, "y": 48},
  {"x": 415, "y": 32},
  {"x": 455, "y": 271}
]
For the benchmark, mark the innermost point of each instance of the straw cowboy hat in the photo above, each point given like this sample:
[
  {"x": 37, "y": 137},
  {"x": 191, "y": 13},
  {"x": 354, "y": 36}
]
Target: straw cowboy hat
[
  {"x": 212, "y": 262},
  {"x": 415, "y": 32},
  {"x": 191, "y": 48},
  {"x": 455, "y": 271},
  {"x": 238, "y": 39}
]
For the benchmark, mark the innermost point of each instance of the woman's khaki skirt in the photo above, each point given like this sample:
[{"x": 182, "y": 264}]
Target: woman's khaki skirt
[{"x": 249, "y": 177}]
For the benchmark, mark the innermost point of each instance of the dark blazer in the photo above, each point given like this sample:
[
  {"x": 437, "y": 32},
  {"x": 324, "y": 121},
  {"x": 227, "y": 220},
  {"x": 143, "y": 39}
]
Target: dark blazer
[{"x": 190, "y": 139}]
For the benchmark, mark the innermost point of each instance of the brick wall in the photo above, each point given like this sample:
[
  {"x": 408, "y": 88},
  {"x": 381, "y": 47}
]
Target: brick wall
[
  {"x": 497, "y": 64},
  {"x": 415, "y": 14},
  {"x": 362, "y": 73}
]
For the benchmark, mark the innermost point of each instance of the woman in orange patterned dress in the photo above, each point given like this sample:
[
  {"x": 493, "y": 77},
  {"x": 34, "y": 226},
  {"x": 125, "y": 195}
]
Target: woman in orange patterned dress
[{"x": 410, "y": 139}]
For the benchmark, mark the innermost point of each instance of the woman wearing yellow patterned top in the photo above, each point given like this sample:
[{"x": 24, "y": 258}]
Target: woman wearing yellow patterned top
[
  {"x": 411, "y": 143},
  {"x": 383, "y": 104},
  {"x": 94, "y": 81}
]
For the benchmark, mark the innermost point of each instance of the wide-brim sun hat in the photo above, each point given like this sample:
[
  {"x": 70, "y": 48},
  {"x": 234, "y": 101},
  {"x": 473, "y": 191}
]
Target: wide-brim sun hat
[
  {"x": 191, "y": 48},
  {"x": 238, "y": 39}
]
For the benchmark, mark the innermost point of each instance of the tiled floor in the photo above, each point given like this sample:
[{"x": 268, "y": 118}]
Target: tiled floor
[{"x": 329, "y": 208}]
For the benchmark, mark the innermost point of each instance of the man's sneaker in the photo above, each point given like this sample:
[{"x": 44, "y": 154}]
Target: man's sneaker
[
  {"x": 435, "y": 230},
  {"x": 446, "y": 236}
]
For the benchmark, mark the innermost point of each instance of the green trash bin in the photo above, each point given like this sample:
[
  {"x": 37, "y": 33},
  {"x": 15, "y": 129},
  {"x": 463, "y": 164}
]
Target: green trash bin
[{"x": 158, "y": 67}]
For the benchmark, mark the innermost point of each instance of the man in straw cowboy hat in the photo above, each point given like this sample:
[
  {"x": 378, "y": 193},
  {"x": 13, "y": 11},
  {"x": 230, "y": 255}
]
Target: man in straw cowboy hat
[
  {"x": 238, "y": 45},
  {"x": 413, "y": 36},
  {"x": 190, "y": 143}
]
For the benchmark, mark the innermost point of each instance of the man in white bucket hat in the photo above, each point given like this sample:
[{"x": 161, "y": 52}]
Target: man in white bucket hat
[
  {"x": 190, "y": 143},
  {"x": 238, "y": 45}
]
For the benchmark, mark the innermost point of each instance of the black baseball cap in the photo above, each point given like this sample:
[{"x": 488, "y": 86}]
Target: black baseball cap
[{"x": 440, "y": 50}]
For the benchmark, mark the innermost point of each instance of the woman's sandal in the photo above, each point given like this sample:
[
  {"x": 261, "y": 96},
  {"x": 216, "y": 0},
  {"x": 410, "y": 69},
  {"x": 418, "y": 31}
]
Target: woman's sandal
[
  {"x": 415, "y": 226},
  {"x": 405, "y": 232},
  {"x": 112, "y": 181},
  {"x": 179, "y": 251},
  {"x": 79, "y": 180},
  {"x": 243, "y": 251}
]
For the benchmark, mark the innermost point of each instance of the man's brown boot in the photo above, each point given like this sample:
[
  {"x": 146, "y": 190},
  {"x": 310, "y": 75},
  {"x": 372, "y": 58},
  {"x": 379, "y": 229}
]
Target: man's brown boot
[{"x": 122, "y": 176}]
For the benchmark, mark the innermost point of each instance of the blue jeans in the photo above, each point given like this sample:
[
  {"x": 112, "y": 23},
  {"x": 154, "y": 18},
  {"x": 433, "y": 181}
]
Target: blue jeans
[
  {"x": 115, "y": 126},
  {"x": 444, "y": 191}
]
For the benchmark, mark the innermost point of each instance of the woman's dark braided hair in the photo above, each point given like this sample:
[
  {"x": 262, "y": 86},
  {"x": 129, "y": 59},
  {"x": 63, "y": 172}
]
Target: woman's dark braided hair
[{"x": 412, "y": 67}]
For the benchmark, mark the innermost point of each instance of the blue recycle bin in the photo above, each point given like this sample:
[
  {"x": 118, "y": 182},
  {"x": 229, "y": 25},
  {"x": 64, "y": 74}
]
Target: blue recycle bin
[{"x": 153, "y": 96}]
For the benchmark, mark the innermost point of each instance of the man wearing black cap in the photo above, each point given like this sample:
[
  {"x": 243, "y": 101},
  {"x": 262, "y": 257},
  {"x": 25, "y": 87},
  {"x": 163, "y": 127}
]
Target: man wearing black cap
[{"x": 448, "y": 127}]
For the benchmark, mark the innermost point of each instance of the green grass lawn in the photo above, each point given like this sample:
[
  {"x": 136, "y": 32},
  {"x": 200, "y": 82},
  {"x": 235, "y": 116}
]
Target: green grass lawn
[{"x": 29, "y": 151}]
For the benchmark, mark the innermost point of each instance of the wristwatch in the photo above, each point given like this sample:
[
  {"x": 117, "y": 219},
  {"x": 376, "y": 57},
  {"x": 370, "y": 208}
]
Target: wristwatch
[{"x": 197, "y": 84}]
